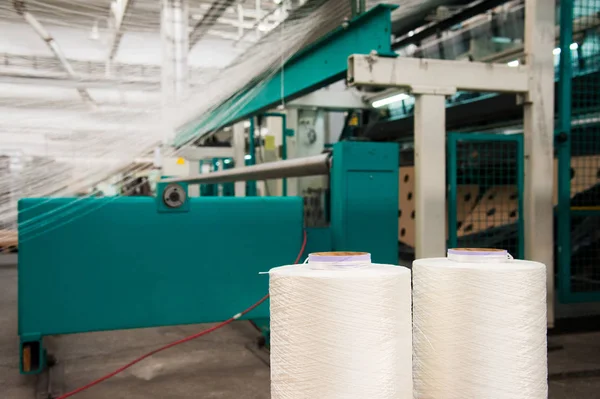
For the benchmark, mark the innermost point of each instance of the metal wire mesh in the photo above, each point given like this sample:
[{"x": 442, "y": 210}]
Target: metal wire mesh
[
  {"x": 487, "y": 193},
  {"x": 585, "y": 147}
]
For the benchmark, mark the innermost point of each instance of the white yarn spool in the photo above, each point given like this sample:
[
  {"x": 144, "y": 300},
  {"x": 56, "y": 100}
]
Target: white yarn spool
[
  {"x": 341, "y": 328},
  {"x": 479, "y": 327}
]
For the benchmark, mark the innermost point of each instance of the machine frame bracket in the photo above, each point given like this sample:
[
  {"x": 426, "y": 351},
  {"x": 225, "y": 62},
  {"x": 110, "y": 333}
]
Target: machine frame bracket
[{"x": 401, "y": 72}]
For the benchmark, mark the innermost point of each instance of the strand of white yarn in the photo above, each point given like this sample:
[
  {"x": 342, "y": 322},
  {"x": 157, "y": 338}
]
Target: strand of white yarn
[
  {"x": 340, "y": 329},
  {"x": 479, "y": 327}
]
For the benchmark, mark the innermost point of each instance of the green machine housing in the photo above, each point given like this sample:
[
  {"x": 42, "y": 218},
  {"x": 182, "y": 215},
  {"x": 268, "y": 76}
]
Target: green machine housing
[{"x": 113, "y": 263}]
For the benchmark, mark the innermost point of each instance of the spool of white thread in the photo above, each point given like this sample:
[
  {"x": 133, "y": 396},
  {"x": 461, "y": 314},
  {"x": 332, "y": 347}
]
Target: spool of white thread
[
  {"x": 479, "y": 327},
  {"x": 341, "y": 328}
]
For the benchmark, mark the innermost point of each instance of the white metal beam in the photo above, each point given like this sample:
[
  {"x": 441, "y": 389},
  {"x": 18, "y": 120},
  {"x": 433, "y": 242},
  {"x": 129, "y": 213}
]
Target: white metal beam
[
  {"x": 330, "y": 100},
  {"x": 539, "y": 139},
  {"x": 67, "y": 82},
  {"x": 231, "y": 11},
  {"x": 204, "y": 25},
  {"x": 430, "y": 75},
  {"x": 55, "y": 48},
  {"x": 200, "y": 153},
  {"x": 229, "y": 36},
  {"x": 120, "y": 11},
  {"x": 36, "y": 98}
]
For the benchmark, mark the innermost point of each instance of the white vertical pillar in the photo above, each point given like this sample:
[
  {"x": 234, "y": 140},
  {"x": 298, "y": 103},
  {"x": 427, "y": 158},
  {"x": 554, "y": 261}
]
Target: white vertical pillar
[
  {"x": 336, "y": 122},
  {"x": 239, "y": 153},
  {"x": 193, "y": 169},
  {"x": 175, "y": 46},
  {"x": 430, "y": 176},
  {"x": 240, "y": 13},
  {"x": 275, "y": 129},
  {"x": 292, "y": 122},
  {"x": 174, "y": 68},
  {"x": 539, "y": 139},
  {"x": 258, "y": 18}
]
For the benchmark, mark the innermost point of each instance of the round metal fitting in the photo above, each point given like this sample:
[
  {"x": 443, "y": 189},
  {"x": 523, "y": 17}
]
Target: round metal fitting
[{"x": 174, "y": 195}]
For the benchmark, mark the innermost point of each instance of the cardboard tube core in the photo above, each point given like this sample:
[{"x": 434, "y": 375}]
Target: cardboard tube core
[{"x": 339, "y": 257}]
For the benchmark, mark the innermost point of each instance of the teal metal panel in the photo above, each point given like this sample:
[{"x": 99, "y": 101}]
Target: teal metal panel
[
  {"x": 563, "y": 150},
  {"x": 318, "y": 240},
  {"x": 364, "y": 199},
  {"x": 452, "y": 180},
  {"x": 316, "y": 66},
  {"x": 576, "y": 99},
  {"x": 126, "y": 265},
  {"x": 521, "y": 191}
]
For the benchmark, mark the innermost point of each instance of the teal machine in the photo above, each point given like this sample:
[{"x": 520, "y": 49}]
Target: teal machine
[{"x": 100, "y": 264}]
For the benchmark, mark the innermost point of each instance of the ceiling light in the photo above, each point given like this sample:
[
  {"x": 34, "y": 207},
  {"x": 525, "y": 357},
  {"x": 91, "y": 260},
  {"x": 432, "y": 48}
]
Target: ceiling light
[{"x": 390, "y": 100}]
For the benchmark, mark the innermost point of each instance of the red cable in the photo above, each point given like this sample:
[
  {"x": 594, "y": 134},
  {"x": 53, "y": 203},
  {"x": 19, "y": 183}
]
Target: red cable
[{"x": 181, "y": 341}]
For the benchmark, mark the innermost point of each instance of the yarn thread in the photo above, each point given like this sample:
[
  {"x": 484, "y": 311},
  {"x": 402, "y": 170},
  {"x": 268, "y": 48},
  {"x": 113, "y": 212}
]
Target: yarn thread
[
  {"x": 340, "y": 328},
  {"x": 479, "y": 327}
]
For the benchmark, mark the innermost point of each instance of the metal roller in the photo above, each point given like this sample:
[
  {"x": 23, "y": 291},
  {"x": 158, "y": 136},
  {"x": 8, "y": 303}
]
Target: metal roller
[{"x": 309, "y": 166}]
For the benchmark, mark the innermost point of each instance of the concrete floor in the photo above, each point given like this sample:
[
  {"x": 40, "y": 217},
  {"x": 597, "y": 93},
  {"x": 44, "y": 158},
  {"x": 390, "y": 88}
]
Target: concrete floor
[{"x": 219, "y": 365}]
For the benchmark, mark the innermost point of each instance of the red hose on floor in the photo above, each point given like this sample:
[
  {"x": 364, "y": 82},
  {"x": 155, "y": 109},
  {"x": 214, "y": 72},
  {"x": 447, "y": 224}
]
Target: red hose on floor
[{"x": 181, "y": 341}]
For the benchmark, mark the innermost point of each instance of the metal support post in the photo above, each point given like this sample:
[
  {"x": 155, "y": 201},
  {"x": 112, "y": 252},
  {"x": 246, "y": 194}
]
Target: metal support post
[
  {"x": 175, "y": 45},
  {"x": 539, "y": 139},
  {"x": 251, "y": 185},
  {"x": 563, "y": 146},
  {"x": 120, "y": 11},
  {"x": 430, "y": 176},
  {"x": 239, "y": 151},
  {"x": 285, "y": 133},
  {"x": 174, "y": 70},
  {"x": 292, "y": 120},
  {"x": 193, "y": 168}
]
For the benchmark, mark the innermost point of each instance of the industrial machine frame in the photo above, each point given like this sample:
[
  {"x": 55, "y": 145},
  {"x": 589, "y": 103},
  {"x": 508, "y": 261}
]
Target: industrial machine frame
[{"x": 84, "y": 273}]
